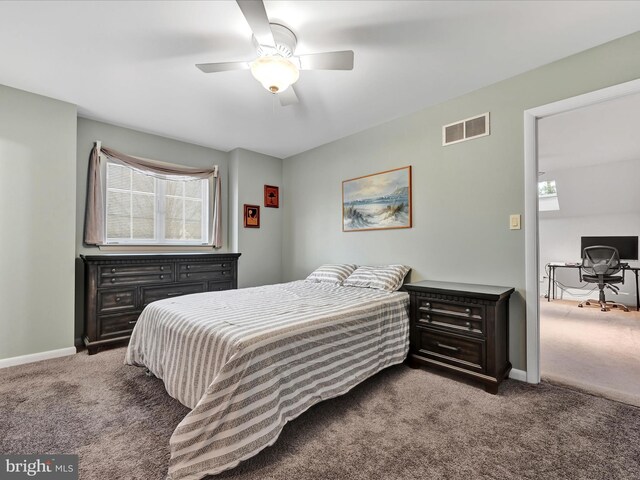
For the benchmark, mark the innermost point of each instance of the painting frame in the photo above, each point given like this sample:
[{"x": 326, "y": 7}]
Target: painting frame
[
  {"x": 251, "y": 216},
  {"x": 382, "y": 206},
  {"x": 271, "y": 196}
]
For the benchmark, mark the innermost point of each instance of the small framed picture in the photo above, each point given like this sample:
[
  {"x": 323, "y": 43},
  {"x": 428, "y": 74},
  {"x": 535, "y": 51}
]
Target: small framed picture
[
  {"x": 271, "y": 196},
  {"x": 251, "y": 216}
]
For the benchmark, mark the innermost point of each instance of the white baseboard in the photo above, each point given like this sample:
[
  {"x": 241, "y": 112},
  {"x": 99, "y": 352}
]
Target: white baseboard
[
  {"x": 36, "y": 357},
  {"x": 520, "y": 375}
]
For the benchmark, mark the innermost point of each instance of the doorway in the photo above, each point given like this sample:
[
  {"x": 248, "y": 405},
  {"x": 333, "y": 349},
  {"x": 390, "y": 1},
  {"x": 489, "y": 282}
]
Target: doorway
[{"x": 532, "y": 120}]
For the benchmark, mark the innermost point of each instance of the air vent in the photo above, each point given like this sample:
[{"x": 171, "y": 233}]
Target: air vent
[{"x": 466, "y": 129}]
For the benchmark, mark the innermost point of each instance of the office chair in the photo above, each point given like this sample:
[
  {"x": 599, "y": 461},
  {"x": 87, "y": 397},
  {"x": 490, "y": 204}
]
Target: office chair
[{"x": 600, "y": 265}]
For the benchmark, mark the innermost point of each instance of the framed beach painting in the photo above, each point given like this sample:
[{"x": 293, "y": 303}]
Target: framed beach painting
[{"x": 377, "y": 202}]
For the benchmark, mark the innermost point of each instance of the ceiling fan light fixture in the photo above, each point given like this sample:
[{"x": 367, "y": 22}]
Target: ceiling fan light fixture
[{"x": 275, "y": 72}]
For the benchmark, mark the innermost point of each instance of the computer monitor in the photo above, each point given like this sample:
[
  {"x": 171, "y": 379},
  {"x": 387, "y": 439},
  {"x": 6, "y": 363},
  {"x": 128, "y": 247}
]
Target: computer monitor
[{"x": 627, "y": 246}]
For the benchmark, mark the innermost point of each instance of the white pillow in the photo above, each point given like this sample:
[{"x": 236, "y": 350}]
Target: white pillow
[
  {"x": 387, "y": 277},
  {"x": 332, "y": 273}
]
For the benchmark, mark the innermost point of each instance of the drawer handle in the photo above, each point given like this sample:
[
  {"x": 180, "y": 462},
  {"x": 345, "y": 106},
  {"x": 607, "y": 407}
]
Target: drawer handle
[
  {"x": 132, "y": 322},
  {"x": 428, "y": 318},
  {"x": 113, "y": 270},
  {"x": 117, "y": 299},
  {"x": 161, "y": 277},
  {"x": 427, "y": 305},
  {"x": 224, "y": 273},
  {"x": 173, "y": 294},
  {"x": 467, "y": 311},
  {"x": 223, "y": 265},
  {"x": 188, "y": 275},
  {"x": 113, "y": 280},
  {"x": 188, "y": 267},
  {"x": 447, "y": 347},
  {"x": 468, "y": 324},
  {"x": 161, "y": 268}
]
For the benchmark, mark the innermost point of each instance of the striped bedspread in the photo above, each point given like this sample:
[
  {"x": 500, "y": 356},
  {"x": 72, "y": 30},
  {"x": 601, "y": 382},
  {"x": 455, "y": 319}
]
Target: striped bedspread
[{"x": 248, "y": 361}]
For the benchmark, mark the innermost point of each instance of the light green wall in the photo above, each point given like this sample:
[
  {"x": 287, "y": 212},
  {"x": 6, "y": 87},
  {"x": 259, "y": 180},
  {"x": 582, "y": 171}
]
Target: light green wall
[
  {"x": 145, "y": 145},
  {"x": 37, "y": 222},
  {"x": 462, "y": 194},
  {"x": 261, "y": 248}
]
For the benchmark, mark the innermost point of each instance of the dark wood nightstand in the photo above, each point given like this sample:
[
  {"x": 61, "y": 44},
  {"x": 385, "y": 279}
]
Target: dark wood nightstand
[{"x": 461, "y": 328}]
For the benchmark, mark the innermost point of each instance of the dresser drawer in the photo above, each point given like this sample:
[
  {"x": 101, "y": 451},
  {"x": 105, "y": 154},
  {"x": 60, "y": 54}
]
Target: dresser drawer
[
  {"x": 219, "y": 286},
  {"x": 111, "y": 326},
  {"x": 466, "y": 352},
  {"x": 151, "y": 294},
  {"x": 134, "y": 274},
  {"x": 193, "y": 267},
  {"x": 458, "y": 317},
  {"x": 115, "y": 300},
  {"x": 189, "y": 276}
]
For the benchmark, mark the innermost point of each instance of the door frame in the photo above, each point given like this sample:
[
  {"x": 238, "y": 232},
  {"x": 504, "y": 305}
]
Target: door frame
[{"x": 532, "y": 246}]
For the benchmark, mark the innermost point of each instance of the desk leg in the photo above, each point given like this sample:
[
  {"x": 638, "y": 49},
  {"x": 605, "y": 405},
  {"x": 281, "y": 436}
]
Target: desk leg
[
  {"x": 555, "y": 289},
  {"x": 637, "y": 297},
  {"x": 549, "y": 284}
]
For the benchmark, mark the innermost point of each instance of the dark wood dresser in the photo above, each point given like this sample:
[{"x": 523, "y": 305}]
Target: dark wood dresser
[
  {"x": 461, "y": 328},
  {"x": 118, "y": 287}
]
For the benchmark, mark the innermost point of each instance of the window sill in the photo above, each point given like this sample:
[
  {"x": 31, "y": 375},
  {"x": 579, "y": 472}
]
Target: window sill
[{"x": 155, "y": 248}]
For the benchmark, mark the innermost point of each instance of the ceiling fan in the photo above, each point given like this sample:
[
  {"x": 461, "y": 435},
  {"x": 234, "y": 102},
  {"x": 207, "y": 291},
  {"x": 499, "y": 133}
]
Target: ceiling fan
[{"x": 276, "y": 68}]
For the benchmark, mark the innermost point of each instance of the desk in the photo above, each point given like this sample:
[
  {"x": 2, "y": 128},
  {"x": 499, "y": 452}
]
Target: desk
[{"x": 552, "y": 279}]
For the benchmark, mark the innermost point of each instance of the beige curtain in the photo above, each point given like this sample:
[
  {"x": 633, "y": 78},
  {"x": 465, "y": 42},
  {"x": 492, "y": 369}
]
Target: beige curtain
[{"x": 94, "y": 215}]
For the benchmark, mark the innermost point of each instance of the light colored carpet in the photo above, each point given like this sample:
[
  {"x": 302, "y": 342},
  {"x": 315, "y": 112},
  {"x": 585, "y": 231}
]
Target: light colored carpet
[
  {"x": 592, "y": 350},
  {"x": 400, "y": 424}
]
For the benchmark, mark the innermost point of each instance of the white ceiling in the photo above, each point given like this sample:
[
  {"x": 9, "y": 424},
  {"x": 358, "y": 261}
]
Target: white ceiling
[
  {"x": 132, "y": 63},
  {"x": 593, "y": 154},
  {"x": 603, "y": 133}
]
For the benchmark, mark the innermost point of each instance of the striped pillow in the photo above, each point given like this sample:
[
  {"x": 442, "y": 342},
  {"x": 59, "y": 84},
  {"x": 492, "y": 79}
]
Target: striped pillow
[
  {"x": 332, "y": 273},
  {"x": 388, "y": 277}
]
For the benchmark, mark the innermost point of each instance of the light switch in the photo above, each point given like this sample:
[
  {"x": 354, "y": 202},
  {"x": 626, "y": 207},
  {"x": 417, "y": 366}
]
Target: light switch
[{"x": 514, "y": 221}]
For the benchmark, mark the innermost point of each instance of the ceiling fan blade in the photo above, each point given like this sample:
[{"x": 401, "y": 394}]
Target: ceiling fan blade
[
  {"x": 288, "y": 97},
  {"x": 256, "y": 16},
  {"x": 222, "y": 67},
  {"x": 327, "y": 61}
]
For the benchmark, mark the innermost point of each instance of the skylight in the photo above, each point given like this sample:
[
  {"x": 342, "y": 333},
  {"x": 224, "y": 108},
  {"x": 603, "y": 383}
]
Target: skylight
[{"x": 548, "y": 196}]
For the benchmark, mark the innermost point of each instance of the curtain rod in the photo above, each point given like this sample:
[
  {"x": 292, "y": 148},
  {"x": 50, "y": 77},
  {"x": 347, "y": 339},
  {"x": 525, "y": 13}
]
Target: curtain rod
[{"x": 98, "y": 145}]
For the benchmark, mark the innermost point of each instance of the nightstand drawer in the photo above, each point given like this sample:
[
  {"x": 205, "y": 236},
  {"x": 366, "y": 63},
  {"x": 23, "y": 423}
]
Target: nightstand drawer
[
  {"x": 453, "y": 323},
  {"x": 453, "y": 309},
  {"x": 151, "y": 294},
  {"x": 462, "y": 318},
  {"x": 117, "y": 325},
  {"x": 465, "y": 352},
  {"x": 115, "y": 300}
]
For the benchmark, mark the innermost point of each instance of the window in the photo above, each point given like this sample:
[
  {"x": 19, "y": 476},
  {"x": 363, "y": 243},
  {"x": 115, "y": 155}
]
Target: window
[
  {"x": 547, "y": 189},
  {"x": 144, "y": 209},
  {"x": 548, "y": 196}
]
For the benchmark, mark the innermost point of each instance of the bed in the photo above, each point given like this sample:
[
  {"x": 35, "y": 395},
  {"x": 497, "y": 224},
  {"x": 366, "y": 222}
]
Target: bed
[{"x": 248, "y": 361}]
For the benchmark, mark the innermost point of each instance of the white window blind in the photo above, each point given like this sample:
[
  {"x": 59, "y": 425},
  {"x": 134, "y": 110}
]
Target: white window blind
[{"x": 142, "y": 209}]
